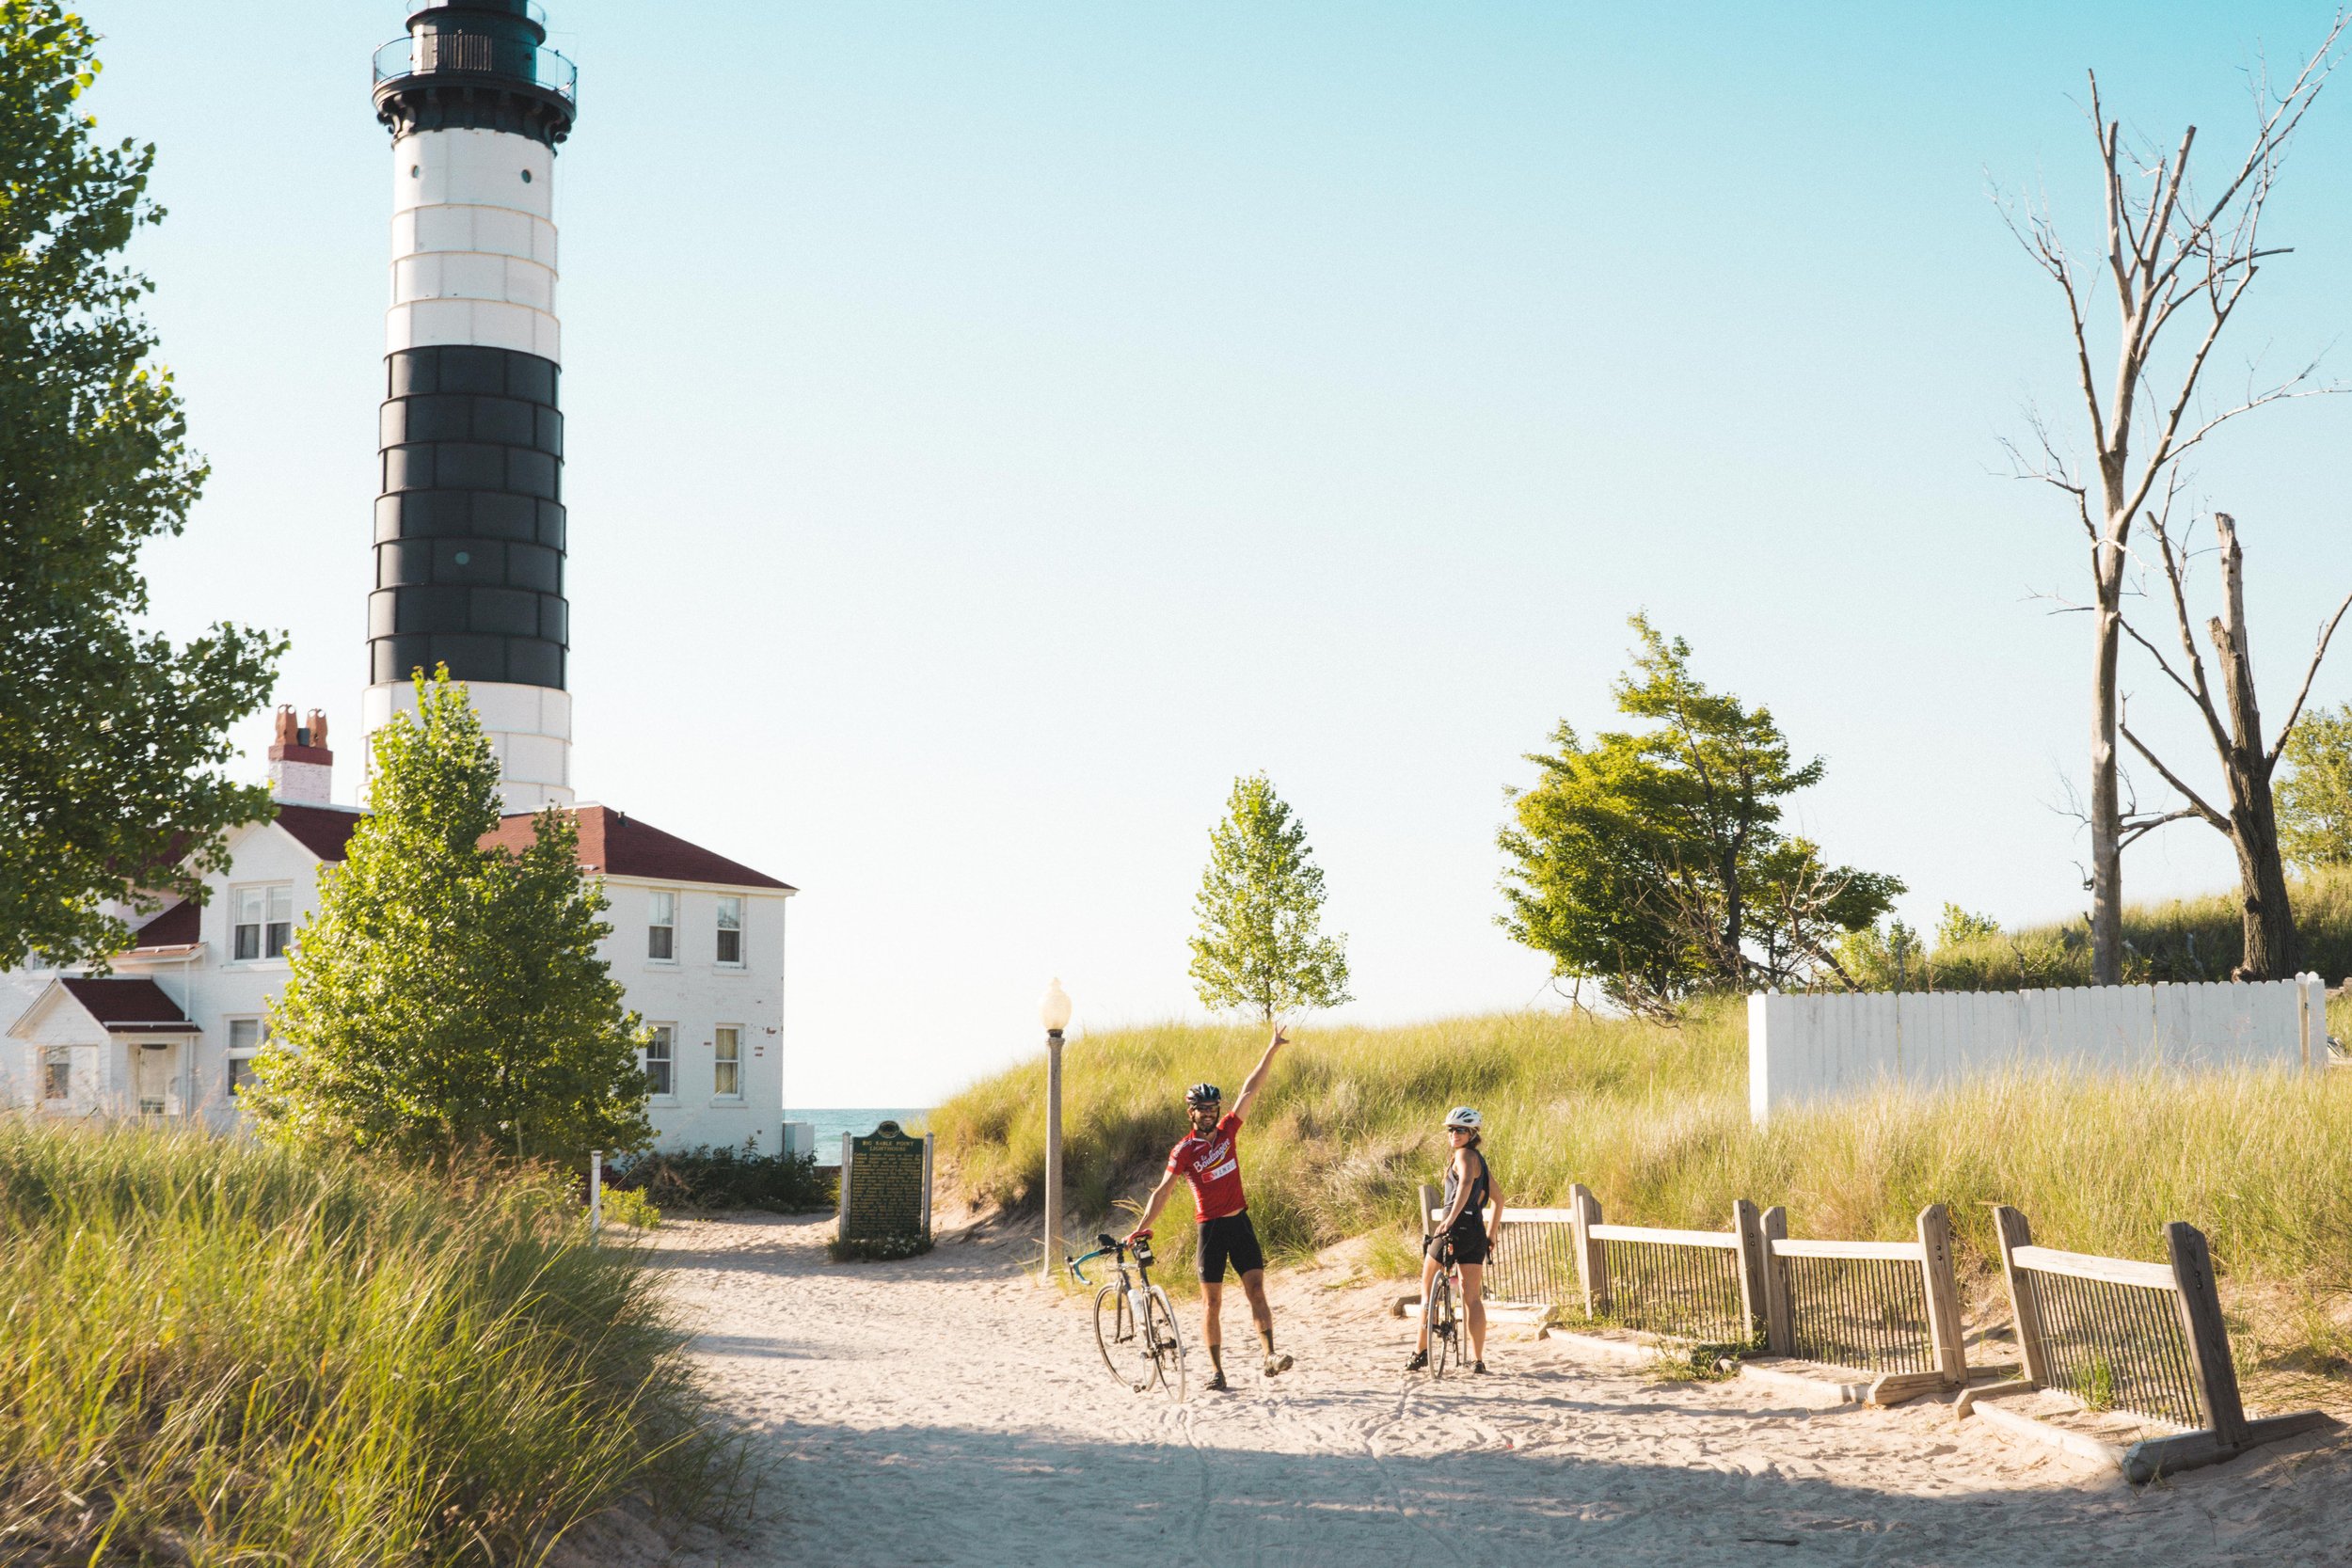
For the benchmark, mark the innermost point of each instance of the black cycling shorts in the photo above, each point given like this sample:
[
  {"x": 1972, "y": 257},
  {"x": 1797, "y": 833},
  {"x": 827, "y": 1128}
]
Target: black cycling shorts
[
  {"x": 1469, "y": 1242},
  {"x": 1228, "y": 1239}
]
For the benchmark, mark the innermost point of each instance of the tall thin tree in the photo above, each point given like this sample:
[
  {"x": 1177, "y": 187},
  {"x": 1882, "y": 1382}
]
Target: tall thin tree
[
  {"x": 1261, "y": 945},
  {"x": 2179, "y": 264}
]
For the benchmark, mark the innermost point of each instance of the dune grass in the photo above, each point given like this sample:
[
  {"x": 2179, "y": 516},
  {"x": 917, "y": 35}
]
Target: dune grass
[
  {"x": 219, "y": 1352},
  {"x": 2174, "y": 939},
  {"x": 1654, "y": 1118}
]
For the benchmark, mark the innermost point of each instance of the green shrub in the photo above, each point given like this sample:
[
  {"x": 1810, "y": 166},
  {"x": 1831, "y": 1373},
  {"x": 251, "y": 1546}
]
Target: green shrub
[
  {"x": 631, "y": 1207},
  {"x": 719, "y": 1177},
  {"x": 217, "y": 1351},
  {"x": 877, "y": 1250}
]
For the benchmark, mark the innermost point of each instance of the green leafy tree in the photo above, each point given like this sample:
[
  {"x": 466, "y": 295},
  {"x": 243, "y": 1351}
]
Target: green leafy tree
[
  {"x": 1261, "y": 945},
  {"x": 111, "y": 739},
  {"x": 2316, "y": 796},
  {"x": 447, "y": 996},
  {"x": 1653, "y": 860},
  {"x": 1958, "y": 927}
]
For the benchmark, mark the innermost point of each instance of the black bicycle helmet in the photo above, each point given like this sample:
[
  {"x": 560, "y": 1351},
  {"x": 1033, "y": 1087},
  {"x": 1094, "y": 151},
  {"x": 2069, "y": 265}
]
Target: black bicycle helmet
[{"x": 1203, "y": 1094}]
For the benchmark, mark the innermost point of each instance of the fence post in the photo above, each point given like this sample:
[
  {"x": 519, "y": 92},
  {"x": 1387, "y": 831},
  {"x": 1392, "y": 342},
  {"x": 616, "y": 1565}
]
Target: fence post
[
  {"x": 1779, "y": 1333},
  {"x": 1943, "y": 1288},
  {"x": 1427, "y": 1196},
  {"x": 1592, "y": 1260},
  {"x": 2208, "y": 1337},
  {"x": 2010, "y": 1229},
  {"x": 595, "y": 1191},
  {"x": 1748, "y": 1227}
]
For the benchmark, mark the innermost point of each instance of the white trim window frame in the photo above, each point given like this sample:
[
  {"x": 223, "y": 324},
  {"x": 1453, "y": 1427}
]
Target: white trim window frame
[
  {"x": 726, "y": 1063},
  {"x": 661, "y": 910},
  {"x": 56, "y": 1074},
  {"x": 260, "y": 922},
  {"x": 248, "y": 1037},
  {"x": 659, "y": 1059},
  {"x": 729, "y": 931}
]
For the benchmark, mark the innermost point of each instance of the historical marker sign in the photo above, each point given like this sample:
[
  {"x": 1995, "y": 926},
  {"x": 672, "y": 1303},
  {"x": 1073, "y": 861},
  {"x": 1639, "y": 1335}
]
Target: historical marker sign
[{"x": 886, "y": 1187}]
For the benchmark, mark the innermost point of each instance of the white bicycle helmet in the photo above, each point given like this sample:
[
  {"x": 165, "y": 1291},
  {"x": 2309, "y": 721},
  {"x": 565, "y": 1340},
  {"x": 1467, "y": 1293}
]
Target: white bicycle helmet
[{"x": 1462, "y": 1118}]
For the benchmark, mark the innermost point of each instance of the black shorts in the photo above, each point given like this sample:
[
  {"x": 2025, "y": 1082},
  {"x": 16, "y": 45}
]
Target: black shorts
[
  {"x": 1468, "y": 1243},
  {"x": 1228, "y": 1239}
]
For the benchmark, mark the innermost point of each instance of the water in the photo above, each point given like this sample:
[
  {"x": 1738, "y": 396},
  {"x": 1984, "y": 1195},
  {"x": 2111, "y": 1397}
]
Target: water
[{"x": 855, "y": 1120}]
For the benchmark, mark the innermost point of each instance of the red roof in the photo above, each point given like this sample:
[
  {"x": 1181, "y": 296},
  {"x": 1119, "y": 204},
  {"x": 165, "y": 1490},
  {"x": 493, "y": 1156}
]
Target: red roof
[
  {"x": 177, "y": 927},
  {"x": 321, "y": 830},
  {"x": 128, "y": 1007},
  {"x": 615, "y": 845}
]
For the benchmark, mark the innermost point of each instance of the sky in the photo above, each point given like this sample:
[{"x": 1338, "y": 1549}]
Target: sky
[{"x": 994, "y": 427}]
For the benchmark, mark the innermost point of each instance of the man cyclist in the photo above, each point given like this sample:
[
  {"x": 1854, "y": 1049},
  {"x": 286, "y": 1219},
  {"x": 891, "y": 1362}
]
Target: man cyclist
[{"x": 1206, "y": 1157}]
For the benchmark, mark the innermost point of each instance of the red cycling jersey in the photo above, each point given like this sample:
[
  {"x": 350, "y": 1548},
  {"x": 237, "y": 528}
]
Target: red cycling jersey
[{"x": 1212, "y": 1165}]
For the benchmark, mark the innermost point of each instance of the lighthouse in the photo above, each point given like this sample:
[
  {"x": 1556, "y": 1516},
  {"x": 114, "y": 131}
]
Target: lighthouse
[{"x": 469, "y": 521}]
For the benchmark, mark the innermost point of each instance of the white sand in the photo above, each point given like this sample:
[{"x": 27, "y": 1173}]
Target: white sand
[{"x": 949, "y": 1410}]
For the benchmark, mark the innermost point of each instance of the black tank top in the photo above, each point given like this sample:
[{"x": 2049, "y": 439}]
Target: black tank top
[{"x": 1472, "y": 1211}]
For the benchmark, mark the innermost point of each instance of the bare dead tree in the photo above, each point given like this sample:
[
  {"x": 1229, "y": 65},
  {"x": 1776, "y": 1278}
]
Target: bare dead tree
[
  {"x": 2172, "y": 257},
  {"x": 2233, "y": 723}
]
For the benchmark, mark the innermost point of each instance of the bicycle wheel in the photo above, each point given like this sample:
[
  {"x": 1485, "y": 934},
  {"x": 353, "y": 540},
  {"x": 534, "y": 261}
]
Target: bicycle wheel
[
  {"x": 1125, "y": 1350},
  {"x": 1168, "y": 1343},
  {"x": 1441, "y": 1325}
]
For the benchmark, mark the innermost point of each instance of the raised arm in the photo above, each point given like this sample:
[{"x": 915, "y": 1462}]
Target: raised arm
[
  {"x": 1256, "y": 1081},
  {"x": 1152, "y": 1205}
]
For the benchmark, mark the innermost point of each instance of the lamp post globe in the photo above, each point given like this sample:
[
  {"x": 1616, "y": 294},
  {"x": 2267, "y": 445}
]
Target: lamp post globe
[{"x": 1053, "y": 1010}]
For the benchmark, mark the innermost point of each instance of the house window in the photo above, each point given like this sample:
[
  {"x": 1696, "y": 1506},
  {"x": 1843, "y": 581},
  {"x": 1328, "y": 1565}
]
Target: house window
[
  {"x": 56, "y": 1080},
  {"x": 662, "y": 927},
  {"x": 726, "y": 1061},
  {"x": 264, "y": 924},
  {"x": 658, "y": 1060},
  {"x": 247, "y": 1036},
  {"x": 731, "y": 930}
]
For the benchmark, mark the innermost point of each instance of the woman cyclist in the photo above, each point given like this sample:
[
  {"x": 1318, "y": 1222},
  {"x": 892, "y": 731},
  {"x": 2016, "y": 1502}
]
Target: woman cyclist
[{"x": 1469, "y": 1188}]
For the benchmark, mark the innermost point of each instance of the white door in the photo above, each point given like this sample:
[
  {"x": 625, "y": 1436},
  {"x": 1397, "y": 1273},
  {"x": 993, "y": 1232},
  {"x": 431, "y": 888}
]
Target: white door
[{"x": 154, "y": 1077}]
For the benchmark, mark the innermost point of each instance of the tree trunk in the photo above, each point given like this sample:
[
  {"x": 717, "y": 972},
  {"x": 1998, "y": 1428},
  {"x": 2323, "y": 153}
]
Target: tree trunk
[
  {"x": 2271, "y": 952},
  {"x": 2107, "y": 809}
]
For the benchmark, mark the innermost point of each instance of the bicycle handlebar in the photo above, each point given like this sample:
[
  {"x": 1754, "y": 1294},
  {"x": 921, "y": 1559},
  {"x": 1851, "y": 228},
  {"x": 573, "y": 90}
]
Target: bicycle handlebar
[{"x": 1079, "y": 1273}]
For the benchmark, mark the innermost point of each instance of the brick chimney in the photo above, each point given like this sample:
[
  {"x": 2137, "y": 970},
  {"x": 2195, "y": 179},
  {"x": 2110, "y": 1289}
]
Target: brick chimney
[{"x": 301, "y": 768}]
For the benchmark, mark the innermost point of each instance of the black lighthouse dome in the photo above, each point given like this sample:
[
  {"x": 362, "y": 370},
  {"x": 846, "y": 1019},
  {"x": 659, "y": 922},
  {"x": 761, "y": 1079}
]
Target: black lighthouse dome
[{"x": 479, "y": 64}]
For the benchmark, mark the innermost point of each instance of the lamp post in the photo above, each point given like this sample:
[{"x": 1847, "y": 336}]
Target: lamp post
[{"x": 1053, "y": 1010}]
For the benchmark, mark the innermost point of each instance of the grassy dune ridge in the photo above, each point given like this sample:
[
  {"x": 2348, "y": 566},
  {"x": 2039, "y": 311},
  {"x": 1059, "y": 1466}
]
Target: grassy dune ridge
[
  {"x": 1654, "y": 1118},
  {"x": 2202, "y": 938},
  {"x": 217, "y": 1351}
]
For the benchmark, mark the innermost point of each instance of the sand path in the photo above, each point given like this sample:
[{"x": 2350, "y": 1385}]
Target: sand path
[{"x": 949, "y": 1410}]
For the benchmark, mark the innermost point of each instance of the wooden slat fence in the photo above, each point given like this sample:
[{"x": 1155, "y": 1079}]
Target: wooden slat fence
[
  {"x": 2148, "y": 1339},
  {"x": 1534, "y": 1265},
  {"x": 1891, "y": 1308},
  {"x": 1705, "y": 1286},
  {"x": 1810, "y": 1048}
]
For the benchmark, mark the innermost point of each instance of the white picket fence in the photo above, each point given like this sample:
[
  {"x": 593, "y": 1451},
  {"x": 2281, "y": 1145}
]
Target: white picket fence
[{"x": 1805, "y": 1048}]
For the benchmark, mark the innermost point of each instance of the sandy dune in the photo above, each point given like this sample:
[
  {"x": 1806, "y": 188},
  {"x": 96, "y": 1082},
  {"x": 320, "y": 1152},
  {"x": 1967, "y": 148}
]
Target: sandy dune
[{"x": 950, "y": 1410}]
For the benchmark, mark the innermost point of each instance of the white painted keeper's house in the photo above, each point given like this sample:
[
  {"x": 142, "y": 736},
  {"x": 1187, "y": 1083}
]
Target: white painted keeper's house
[{"x": 697, "y": 943}]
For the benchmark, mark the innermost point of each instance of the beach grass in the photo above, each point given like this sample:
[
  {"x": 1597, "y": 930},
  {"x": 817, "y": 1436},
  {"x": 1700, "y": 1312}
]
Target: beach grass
[
  {"x": 217, "y": 1351},
  {"x": 1653, "y": 1118}
]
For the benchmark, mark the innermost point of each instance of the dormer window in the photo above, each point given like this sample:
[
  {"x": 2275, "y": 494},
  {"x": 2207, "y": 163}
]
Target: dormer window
[
  {"x": 265, "y": 922},
  {"x": 662, "y": 927}
]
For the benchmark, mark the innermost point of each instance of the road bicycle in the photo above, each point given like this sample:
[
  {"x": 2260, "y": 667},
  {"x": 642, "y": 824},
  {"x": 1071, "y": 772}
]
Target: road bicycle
[
  {"x": 1134, "y": 1326},
  {"x": 1445, "y": 1322}
]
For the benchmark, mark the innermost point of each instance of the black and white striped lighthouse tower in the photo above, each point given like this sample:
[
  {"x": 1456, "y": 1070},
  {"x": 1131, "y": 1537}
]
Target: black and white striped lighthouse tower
[{"x": 469, "y": 523}]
